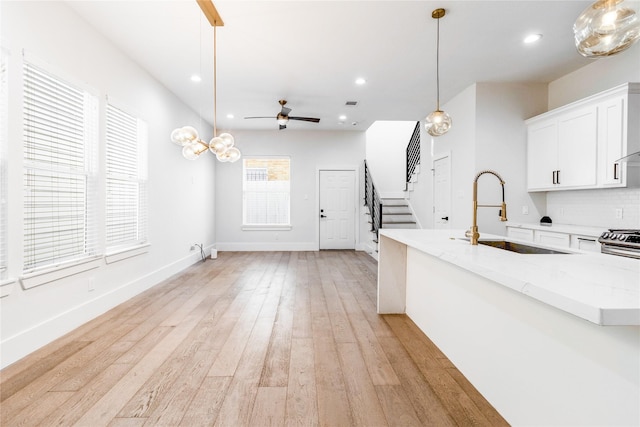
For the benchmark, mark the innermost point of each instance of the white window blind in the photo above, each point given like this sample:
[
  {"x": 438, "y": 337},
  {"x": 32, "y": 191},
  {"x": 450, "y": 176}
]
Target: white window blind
[
  {"x": 60, "y": 193},
  {"x": 126, "y": 170},
  {"x": 266, "y": 187},
  {"x": 3, "y": 165}
]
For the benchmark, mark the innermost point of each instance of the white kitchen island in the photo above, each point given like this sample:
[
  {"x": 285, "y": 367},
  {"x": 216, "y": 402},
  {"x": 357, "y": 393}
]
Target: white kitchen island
[{"x": 547, "y": 339}]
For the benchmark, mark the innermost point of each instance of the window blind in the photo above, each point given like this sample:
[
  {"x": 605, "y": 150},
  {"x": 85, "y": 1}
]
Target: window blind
[
  {"x": 60, "y": 192},
  {"x": 3, "y": 165},
  {"x": 126, "y": 180},
  {"x": 266, "y": 188}
]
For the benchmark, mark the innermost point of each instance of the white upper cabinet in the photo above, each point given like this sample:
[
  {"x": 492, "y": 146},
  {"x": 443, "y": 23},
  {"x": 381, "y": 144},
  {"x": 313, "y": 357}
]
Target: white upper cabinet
[{"x": 576, "y": 146}]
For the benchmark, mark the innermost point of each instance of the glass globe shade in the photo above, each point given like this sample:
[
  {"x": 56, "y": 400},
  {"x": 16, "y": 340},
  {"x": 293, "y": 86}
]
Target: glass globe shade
[
  {"x": 190, "y": 133},
  {"x": 606, "y": 28},
  {"x": 227, "y": 138},
  {"x": 189, "y": 152},
  {"x": 217, "y": 145},
  {"x": 233, "y": 154},
  {"x": 438, "y": 123},
  {"x": 178, "y": 137}
]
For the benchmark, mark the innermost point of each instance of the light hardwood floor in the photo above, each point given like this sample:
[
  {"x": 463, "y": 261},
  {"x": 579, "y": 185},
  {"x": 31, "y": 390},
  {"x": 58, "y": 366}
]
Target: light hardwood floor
[{"x": 249, "y": 339}]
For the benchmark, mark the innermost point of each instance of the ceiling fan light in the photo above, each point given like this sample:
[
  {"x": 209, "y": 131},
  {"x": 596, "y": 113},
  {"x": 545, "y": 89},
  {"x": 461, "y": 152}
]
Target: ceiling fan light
[
  {"x": 606, "y": 28},
  {"x": 438, "y": 123}
]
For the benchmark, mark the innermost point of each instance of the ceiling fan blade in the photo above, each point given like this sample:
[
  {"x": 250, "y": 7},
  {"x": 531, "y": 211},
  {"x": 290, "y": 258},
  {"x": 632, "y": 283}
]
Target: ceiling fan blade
[
  {"x": 261, "y": 117},
  {"x": 282, "y": 127},
  {"x": 305, "y": 119}
]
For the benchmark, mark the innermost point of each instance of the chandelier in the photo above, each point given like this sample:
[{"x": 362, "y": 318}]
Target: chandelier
[
  {"x": 605, "y": 28},
  {"x": 187, "y": 136}
]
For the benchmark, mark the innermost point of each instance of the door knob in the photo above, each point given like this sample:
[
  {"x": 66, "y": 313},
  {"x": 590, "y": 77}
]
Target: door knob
[
  {"x": 323, "y": 216},
  {"x": 446, "y": 218}
]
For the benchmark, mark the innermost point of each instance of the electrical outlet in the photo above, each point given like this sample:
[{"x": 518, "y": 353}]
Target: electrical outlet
[
  {"x": 91, "y": 284},
  {"x": 561, "y": 211},
  {"x": 193, "y": 248},
  {"x": 525, "y": 210},
  {"x": 619, "y": 213}
]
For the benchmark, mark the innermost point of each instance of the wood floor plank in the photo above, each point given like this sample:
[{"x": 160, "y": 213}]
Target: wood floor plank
[
  {"x": 250, "y": 338},
  {"x": 269, "y": 407},
  {"x": 333, "y": 402},
  {"x": 396, "y": 406},
  {"x": 301, "y": 390},
  {"x": 424, "y": 400},
  {"x": 363, "y": 399},
  {"x": 205, "y": 406}
]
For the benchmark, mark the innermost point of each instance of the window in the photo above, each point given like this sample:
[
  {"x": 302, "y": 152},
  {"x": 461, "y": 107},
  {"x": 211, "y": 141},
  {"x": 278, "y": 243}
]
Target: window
[
  {"x": 3, "y": 166},
  {"x": 266, "y": 184},
  {"x": 126, "y": 171},
  {"x": 60, "y": 193}
]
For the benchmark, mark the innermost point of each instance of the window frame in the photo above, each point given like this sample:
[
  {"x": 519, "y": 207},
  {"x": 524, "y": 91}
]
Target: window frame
[
  {"x": 264, "y": 226},
  {"x": 122, "y": 176},
  {"x": 38, "y": 268}
]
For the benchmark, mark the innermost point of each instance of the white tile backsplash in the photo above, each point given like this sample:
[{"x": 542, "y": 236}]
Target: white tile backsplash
[{"x": 597, "y": 208}]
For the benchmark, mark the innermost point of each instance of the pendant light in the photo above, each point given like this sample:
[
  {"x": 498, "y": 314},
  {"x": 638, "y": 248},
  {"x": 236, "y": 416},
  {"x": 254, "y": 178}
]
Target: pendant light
[
  {"x": 221, "y": 145},
  {"x": 605, "y": 28},
  {"x": 438, "y": 122}
]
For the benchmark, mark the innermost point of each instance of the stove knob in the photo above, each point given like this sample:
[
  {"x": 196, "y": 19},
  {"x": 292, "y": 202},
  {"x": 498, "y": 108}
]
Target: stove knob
[
  {"x": 621, "y": 236},
  {"x": 605, "y": 235}
]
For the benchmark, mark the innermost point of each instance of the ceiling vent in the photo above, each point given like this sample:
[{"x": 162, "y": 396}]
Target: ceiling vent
[{"x": 351, "y": 103}]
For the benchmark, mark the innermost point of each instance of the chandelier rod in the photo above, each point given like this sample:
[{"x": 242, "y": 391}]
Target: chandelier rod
[{"x": 215, "y": 84}]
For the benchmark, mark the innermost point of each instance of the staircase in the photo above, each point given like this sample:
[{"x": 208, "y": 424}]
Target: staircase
[{"x": 396, "y": 213}]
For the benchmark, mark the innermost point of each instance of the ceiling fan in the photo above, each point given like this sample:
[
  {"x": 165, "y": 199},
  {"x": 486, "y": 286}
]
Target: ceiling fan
[{"x": 283, "y": 116}]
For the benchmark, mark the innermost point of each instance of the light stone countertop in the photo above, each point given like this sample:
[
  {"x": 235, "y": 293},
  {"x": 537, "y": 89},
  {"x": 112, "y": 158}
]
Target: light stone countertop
[
  {"x": 560, "y": 228},
  {"x": 603, "y": 289}
]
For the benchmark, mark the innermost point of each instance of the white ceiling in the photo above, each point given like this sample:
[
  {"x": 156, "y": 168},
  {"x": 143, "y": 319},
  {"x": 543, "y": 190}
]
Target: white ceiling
[{"x": 311, "y": 52}]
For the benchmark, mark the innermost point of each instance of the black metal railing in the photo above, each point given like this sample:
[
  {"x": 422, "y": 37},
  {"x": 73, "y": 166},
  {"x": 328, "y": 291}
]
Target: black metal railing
[
  {"x": 372, "y": 201},
  {"x": 413, "y": 154}
]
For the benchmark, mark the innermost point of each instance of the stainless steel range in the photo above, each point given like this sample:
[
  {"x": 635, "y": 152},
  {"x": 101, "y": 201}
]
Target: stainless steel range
[{"x": 620, "y": 242}]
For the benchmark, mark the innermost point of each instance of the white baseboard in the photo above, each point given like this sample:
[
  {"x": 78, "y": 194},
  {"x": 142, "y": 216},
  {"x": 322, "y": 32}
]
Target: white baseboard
[
  {"x": 25, "y": 342},
  {"x": 266, "y": 246}
]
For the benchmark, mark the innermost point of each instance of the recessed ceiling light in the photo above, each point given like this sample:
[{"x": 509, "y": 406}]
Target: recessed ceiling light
[
  {"x": 196, "y": 78},
  {"x": 532, "y": 38},
  {"x": 229, "y": 116},
  {"x": 360, "y": 81},
  {"x": 342, "y": 117}
]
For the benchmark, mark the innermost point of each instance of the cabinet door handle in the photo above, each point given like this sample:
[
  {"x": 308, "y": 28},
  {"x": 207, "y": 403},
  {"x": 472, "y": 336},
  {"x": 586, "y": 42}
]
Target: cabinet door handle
[
  {"x": 557, "y": 177},
  {"x": 586, "y": 240},
  {"x": 553, "y": 175},
  {"x": 615, "y": 171}
]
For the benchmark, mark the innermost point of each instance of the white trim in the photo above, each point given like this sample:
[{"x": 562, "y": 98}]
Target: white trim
[
  {"x": 6, "y": 287},
  {"x": 37, "y": 278},
  {"x": 262, "y": 227},
  {"x": 266, "y": 246},
  {"x": 126, "y": 253}
]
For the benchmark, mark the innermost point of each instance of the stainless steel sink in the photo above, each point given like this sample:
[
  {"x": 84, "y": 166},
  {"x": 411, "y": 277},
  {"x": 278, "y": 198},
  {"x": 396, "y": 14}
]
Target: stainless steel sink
[{"x": 520, "y": 248}]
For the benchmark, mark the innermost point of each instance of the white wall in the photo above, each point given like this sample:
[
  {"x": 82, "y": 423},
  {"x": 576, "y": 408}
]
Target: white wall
[
  {"x": 181, "y": 202},
  {"x": 601, "y": 74},
  {"x": 386, "y": 155},
  {"x": 309, "y": 151}
]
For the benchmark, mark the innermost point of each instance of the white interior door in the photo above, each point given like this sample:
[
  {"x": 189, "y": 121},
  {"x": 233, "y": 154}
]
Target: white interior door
[
  {"x": 337, "y": 209},
  {"x": 441, "y": 192}
]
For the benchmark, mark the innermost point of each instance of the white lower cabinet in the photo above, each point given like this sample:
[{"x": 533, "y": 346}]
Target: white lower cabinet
[
  {"x": 520, "y": 233},
  {"x": 585, "y": 243},
  {"x": 552, "y": 238}
]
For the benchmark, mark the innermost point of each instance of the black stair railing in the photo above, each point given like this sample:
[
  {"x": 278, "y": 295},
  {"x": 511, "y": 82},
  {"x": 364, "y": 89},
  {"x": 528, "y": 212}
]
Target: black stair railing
[
  {"x": 372, "y": 201},
  {"x": 413, "y": 154}
]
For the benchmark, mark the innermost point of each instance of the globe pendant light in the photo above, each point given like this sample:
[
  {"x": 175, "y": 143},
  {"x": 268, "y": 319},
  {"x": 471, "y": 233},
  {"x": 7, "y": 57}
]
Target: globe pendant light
[
  {"x": 187, "y": 136},
  {"x": 605, "y": 28},
  {"x": 438, "y": 122}
]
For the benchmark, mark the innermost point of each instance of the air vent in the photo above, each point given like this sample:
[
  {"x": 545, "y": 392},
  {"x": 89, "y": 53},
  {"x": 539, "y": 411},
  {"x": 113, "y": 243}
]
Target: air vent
[{"x": 351, "y": 103}]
